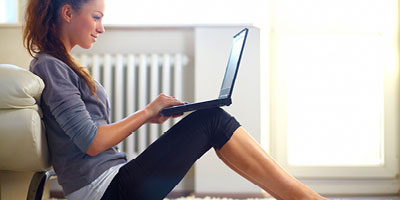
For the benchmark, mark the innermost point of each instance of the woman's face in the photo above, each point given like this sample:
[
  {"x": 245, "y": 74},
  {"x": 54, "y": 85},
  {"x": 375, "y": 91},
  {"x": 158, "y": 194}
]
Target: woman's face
[{"x": 86, "y": 24}]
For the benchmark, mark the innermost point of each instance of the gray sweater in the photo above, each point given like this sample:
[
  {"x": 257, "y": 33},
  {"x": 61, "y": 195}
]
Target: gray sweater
[{"x": 71, "y": 115}]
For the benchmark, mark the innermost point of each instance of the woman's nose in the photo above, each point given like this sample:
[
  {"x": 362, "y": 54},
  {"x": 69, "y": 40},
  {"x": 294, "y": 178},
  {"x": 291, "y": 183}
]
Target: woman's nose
[{"x": 100, "y": 28}]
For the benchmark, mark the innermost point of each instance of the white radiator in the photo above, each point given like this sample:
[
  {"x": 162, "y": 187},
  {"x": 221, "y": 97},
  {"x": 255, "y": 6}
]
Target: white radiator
[{"x": 131, "y": 82}]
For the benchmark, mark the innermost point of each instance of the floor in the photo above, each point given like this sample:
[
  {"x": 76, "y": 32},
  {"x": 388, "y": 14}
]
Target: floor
[
  {"x": 366, "y": 198},
  {"x": 191, "y": 196},
  {"x": 330, "y": 198}
]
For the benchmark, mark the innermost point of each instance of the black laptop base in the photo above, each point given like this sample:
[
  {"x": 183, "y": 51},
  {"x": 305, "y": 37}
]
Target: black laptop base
[{"x": 176, "y": 110}]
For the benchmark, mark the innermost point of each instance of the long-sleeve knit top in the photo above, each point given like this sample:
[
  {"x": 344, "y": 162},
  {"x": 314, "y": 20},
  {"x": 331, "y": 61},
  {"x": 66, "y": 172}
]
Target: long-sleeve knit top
[{"x": 71, "y": 115}]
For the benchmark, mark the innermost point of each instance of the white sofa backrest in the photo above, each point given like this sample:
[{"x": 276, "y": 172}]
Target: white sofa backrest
[
  {"x": 20, "y": 88},
  {"x": 23, "y": 144}
]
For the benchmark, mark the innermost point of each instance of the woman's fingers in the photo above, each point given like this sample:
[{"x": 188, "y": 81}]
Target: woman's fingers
[
  {"x": 162, "y": 101},
  {"x": 172, "y": 101}
]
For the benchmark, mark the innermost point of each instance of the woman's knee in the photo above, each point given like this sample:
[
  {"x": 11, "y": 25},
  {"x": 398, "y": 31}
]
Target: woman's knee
[{"x": 220, "y": 123}]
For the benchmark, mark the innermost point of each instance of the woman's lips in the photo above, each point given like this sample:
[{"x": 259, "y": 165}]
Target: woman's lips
[{"x": 94, "y": 37}]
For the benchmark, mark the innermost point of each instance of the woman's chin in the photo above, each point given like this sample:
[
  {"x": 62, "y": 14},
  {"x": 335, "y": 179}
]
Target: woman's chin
[{"x": 86, "y": 46}]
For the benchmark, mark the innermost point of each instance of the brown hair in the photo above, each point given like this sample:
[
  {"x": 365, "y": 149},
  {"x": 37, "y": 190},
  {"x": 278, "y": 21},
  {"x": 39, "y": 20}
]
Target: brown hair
[{"x": 41, "y": 34}]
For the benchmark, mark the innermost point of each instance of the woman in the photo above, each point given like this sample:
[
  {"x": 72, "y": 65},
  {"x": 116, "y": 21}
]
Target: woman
[{"x": 81, "y": 139}]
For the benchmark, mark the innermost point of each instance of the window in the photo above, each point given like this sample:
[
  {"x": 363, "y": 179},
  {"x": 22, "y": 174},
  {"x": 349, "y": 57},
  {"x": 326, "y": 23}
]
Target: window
[
  {"x": 8, "y": 11},
  {"x": 334, "y": 90},
  {"x": 335, "y": 99}
]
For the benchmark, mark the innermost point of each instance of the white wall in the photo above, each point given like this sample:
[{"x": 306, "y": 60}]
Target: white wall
[{"x": 12, "y": 50}]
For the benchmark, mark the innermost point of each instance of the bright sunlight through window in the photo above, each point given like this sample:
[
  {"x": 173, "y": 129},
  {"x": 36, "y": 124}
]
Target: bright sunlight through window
[
  {"x": 8, "y": 11},
  {"x": 334, "y": 55},
  {"x": 335, "y": 99}
]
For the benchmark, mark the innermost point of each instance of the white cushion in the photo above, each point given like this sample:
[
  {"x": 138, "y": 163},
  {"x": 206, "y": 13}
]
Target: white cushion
[
  {"x": 20, "y": 88},
  {"x": 23, "y": 144}
]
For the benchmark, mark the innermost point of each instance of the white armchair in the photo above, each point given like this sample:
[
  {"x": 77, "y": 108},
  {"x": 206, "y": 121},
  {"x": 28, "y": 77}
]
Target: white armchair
[{"x": 23, "y": 145}]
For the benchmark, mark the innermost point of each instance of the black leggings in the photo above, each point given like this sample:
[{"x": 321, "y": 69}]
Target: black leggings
[{"x": 156, "y": 171}]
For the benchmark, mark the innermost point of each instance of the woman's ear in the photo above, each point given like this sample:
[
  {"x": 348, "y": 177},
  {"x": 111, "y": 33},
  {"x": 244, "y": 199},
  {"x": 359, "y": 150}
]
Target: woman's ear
[{"x": 66, "y": 13}]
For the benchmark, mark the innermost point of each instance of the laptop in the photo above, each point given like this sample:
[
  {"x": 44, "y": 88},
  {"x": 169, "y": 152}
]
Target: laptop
[{"x": 228, "y": 82}]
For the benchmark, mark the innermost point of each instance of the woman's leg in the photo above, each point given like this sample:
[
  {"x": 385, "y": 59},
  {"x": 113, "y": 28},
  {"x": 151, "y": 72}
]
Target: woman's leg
[
  {"x": 156, "y": 171},
  {"x": 234, "y": 168},
  {"x": 247, "y": 157}
]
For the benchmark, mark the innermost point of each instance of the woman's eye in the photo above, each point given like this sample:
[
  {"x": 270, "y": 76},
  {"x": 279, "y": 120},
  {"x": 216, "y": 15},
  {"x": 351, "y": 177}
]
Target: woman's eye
[{"x": 97, "y": 18}]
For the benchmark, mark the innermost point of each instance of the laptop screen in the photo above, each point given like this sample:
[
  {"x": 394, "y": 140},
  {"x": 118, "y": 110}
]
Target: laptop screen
[{"x": 233, "y": 64}]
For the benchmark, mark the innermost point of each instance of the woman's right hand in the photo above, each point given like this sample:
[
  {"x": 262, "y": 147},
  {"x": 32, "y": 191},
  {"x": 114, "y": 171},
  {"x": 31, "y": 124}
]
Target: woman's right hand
[
  {"x": 154, "y": 108},
  {"x": 109, "y": 135}
]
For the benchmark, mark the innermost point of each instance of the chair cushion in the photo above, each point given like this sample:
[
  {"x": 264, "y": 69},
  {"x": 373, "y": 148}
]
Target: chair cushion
[
  {"x": 20, "y": 88},
  {"x": 23, "y": 144}
]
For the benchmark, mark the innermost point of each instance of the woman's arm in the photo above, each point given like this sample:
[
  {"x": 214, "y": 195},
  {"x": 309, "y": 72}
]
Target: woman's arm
[{"x": 110, "y": 135}]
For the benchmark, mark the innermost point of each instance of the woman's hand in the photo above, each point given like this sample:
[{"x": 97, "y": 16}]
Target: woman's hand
[{"x": 154, "y": 108}]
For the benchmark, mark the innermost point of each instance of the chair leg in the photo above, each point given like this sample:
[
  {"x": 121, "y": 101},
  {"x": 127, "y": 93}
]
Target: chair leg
[{"x": 38, "y": 183}]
